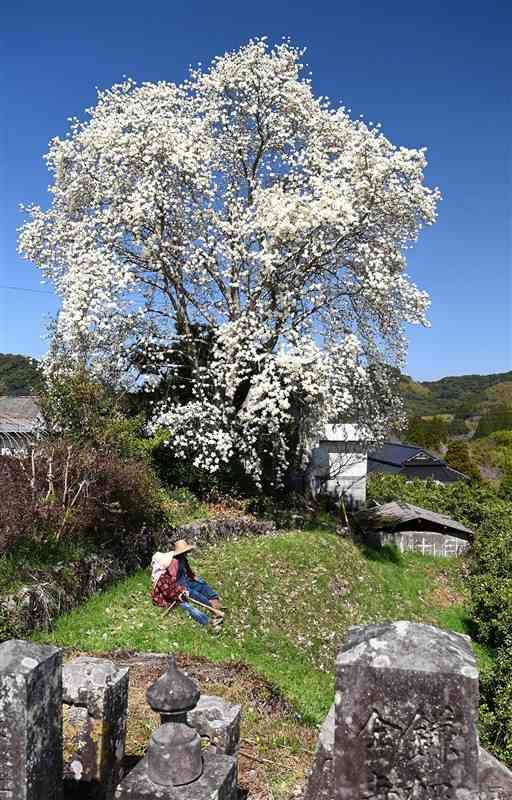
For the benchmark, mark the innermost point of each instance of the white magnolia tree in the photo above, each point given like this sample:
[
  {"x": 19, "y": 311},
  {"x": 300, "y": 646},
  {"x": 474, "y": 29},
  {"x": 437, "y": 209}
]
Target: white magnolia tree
[{"x": 240, "y": 204}]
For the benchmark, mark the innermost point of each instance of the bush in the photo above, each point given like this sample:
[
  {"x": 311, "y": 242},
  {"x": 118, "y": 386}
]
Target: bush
[
  {"x": 465, "y": 502},
  {"x": 491, "y": 576},
  {"x": 458, "y": 457},
  {"x": 496, "y": 706},
  {"x": 428, "y": 433},
  {"x": 497, "y": 420},
  {"x": 457, "y": 427},
  {"x": 66, "y": 492}
]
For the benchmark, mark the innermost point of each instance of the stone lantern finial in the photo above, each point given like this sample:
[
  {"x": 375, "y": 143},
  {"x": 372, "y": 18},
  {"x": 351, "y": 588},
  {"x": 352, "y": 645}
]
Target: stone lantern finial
[
  {"x": 173, "y": 694},
  {"x": 174, "y": 754}
]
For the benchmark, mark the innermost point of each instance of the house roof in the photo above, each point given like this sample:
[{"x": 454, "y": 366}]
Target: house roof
[
  {"x": 391, "y": 514},
  {"x": 18, "y": 414},
  {"x": 412, "y": 461},
  {"x": 397, "y": 453}
]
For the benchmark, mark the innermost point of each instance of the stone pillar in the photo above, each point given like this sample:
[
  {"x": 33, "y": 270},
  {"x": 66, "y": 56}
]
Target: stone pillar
[
  {"x": 30, "y": 721},
  {"x": 95, "y": 697},
  {"x": 320, "y": 784},
  {"x": 218, "y": 720},
  {"x": 495, "y": 779},
  {"x": 406, "y": 709}
]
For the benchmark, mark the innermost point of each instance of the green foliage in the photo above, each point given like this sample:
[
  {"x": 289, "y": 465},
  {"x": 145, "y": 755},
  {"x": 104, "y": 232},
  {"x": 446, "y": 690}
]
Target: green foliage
[
  {"x": 89, "y": 413},
  {"x": 465, "y": 502},
  {"x": 458, "y": 457},
  {"x": 427, "y": 433},
  {"x": 500, "y": 394},
  {"x": 494, "y": 452},
  {"x": 457, "y": 427},
  {"x": 19, "y": 375},
  {"x": 505, "y": 490},
  {"x": 496, "y": 705},
  {"x": 498, "y": 420},
  {"x": 491, "y": 575}
]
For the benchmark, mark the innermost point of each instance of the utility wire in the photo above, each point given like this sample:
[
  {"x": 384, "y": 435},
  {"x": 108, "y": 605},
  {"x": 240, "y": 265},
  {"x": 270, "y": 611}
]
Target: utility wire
[{"x": 25, "y": 289}]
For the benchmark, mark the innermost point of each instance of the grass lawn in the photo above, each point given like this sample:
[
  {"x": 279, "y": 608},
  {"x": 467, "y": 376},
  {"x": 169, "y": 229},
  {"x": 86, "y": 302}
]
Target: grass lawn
[{"x": 290, "y": 598}]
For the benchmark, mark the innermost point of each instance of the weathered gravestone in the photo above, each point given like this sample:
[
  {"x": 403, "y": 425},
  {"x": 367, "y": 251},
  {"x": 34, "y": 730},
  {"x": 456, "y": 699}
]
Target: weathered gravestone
[
  {"x": 95, "y": 697},
  {"x": 219, "y": 721},
  {"x": 495, "y": 779},
  {"x": 30, "y": 721},
  {"x": 386, "y": 742},
  {"x": 406, "y": 706}
]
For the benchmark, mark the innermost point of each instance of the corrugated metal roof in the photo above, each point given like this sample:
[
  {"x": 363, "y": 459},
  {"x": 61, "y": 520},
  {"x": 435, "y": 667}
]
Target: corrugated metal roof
[
  {"x": 390, "y": 514},
  {"x": 18, "y": 414}
]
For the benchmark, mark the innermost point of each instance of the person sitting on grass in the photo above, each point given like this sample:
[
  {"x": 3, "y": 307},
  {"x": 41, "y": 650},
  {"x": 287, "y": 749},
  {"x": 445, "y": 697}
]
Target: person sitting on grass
[{"x": 174, "y": 582}]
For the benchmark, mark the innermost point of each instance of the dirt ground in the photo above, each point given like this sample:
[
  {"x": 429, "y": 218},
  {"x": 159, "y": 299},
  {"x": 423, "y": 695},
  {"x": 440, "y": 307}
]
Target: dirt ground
[{"x": 276, "y": 749}]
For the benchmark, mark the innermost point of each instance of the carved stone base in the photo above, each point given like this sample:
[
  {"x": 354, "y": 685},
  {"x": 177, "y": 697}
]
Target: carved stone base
[{"x": 218, "y": 782}]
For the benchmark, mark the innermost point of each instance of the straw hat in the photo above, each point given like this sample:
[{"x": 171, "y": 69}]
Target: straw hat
[{"x": 182, "y": 546}]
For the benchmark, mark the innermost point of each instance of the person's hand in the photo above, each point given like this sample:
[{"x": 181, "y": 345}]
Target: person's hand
[{"x": 184, "y": 595}]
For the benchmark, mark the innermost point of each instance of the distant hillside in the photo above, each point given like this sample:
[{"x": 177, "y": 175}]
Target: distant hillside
[
  {"x": 18, "y": 375},
  {"x": 461, "y": 394}
]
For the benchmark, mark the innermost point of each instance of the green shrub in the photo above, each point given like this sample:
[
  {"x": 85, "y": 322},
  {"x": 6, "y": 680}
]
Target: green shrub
[
  {"x": 505, "y": 490},
  {"x": 497, "y": 420},
  {"x": 457, "y": 427},
  {"x": 491, "y": 575},
  {"x": 496, "y": 706},
  {"x": 428, "y": 433},
  {"x": 458, "y": 457},
  {"x": 466, "y": 502}
]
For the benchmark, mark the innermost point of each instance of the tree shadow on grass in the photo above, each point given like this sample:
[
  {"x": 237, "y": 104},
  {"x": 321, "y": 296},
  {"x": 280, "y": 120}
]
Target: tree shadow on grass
[{"x": 384, "y": 554}]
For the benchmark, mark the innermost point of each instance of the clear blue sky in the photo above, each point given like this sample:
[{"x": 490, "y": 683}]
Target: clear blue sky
[{"x": 434, "y": 74}]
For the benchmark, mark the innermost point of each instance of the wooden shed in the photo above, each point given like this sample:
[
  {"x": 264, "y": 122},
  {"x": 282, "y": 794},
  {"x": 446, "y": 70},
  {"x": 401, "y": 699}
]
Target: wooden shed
[{"x": 413, "y": 528}]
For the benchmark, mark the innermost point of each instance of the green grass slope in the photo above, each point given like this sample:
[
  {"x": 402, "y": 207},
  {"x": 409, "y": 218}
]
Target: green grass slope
[{"x": 291, "y": 598}]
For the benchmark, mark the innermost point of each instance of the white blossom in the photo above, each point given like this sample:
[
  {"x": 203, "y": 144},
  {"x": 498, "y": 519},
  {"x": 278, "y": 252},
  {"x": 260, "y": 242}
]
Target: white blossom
[{"x": 240, "y": 202}]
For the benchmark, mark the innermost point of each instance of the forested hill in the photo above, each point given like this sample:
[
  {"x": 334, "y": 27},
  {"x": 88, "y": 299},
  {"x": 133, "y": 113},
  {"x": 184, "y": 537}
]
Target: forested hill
[
  {"x": 18, "y": 375},
  {"x": 463, "y": 394}
]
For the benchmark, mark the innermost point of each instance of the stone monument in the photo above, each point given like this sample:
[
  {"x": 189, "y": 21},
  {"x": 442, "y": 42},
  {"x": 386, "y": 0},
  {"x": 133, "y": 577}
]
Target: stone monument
[
  {"x": 404, "y": 723},
  {"x": 30, "y": 721},
  {"x": 95, "y": 698},
  {"x": 406, "y": 705},
  {"x": 175, "y": 766}
]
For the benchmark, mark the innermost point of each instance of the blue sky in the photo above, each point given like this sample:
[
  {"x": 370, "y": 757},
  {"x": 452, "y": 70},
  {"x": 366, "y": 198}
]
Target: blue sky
[{"x": 435, "y": 75}]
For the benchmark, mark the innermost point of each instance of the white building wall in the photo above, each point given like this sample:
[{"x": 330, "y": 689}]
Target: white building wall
[{"x": 340, "y": 467}]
